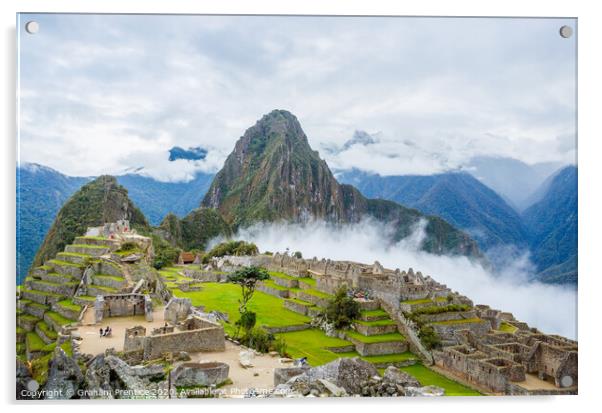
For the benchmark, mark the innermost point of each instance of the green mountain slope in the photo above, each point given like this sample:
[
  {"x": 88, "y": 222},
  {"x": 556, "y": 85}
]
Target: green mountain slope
[
  {"x": 41, "y": 192},
  {"x": 273, "y": 174},
  {"x": 100, "y": 201},
  {"x": 552, "y": 223}
]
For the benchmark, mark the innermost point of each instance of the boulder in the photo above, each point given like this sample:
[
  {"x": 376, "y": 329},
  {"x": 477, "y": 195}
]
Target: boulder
[
  {"x": 397, "y": 376},
  {"x": 64, "y": 377},
  {"x": 245, "y": 358},
  {"x": 284, "y": 374},
  {"x": 98, "y": 379},
  {"x": 427, "y": 391},
  {"x": 347, "y": 373}
]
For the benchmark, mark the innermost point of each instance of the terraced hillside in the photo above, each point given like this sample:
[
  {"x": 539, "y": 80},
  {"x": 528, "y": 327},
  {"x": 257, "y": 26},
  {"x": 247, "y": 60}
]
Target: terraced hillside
[
  {"x": 285, "y": 305},
  {"x": 55, "y": 295}
]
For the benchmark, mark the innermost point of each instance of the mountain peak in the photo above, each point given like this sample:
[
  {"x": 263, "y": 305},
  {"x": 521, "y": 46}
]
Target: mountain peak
[{"x": 273, "y": 175}]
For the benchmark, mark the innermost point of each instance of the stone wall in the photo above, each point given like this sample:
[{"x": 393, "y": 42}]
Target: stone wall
[
  {"x": 119, "y": 305},
  {"x": 204, "y": 339}
]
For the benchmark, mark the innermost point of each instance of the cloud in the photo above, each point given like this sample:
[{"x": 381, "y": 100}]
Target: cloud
[
  {"x": 99, "y": 93},
  {"x": 552, "y": 309}
]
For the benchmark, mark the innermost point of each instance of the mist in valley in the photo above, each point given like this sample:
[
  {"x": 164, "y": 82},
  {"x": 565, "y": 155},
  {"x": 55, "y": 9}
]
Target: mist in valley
[{"x": 550, "y": 308}]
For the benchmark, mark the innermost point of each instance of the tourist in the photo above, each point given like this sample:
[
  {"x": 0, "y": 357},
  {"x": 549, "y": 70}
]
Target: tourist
[{"x": 101, "y": 333}]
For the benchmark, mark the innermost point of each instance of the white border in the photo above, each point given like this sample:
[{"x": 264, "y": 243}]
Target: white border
[{"x": 590, "y": 34}]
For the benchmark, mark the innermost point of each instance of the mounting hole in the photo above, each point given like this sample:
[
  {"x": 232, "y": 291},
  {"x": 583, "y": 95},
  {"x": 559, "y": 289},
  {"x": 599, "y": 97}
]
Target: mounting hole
[
  {"x": 566, "y": 31},
  {"x": 32, "y": 27},
  {"x": 566, "y": 381}
]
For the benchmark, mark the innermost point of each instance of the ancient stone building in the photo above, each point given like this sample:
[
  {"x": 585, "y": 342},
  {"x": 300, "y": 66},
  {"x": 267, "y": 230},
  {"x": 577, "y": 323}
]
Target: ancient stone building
[{"x": 194, "y": 334}]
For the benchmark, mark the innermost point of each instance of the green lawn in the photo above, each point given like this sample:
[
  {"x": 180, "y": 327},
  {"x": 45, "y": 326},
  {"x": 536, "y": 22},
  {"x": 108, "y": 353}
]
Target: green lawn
[
  {"x": 224, "y": 297},
  {"x": 428, "y": 377},
  {"x": 312, "y": 344}
]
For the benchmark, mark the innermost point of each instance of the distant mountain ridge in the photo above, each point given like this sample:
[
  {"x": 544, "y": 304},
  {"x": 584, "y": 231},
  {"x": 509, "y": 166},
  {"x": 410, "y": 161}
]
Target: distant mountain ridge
[
  {"x": 457, "y": 197},
  {"x": 553, "y": 236},
  {"x": 512, "y": 179}
]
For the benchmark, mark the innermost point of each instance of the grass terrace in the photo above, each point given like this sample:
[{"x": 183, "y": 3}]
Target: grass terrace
[
  {"x": 282, "y": 275},
  {"x": 312, "y": 343},
  {"x": 463, "y": 321},
  {"x": 59, "y": 319},
  {"x": 272, "y": 284},
  {"x": 428, "y": 377},
  {"x": 50, "y": 333},
  {"x": 425, "y": 301},
  {"x": 381, "y": 338},
  {"x": 375, "y": 323},
  {"x": 68, "y": 304},
  {"x": 507, "y": 328},
  {"x": 34, "y": 342},
  {"x": 224, "y": 297}
]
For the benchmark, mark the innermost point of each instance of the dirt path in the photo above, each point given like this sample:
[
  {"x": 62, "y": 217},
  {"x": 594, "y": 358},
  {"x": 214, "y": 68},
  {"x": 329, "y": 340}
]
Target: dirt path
[{"x": 259, "y": 377}]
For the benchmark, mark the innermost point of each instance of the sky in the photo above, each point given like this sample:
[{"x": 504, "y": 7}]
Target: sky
[{"x": 109, "y": 94}]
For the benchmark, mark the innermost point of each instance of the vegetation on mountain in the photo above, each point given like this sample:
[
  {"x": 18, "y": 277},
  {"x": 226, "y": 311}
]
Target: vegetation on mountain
[
  {"x": 41, "y": 192},
  {"x": 96, "y": 203},
  {"x": 458, "y": 198},
  {"x": 552, "y": 224}
]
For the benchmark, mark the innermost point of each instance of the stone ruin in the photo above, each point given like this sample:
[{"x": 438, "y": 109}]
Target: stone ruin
[
  {"x": 177, "y": 309},
  {"x": 191, "y": 335},
  {"x": 476, "y": 351},
  {"x": 123, "y": 305}
]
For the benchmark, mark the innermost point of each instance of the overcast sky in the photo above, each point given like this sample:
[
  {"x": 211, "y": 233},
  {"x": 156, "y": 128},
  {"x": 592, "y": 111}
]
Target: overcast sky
[{"x": 104, "y": 94}]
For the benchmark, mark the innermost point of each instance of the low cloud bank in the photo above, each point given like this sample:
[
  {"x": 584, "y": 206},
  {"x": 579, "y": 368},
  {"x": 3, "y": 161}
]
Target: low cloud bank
[{"x": 552, "y": 309}]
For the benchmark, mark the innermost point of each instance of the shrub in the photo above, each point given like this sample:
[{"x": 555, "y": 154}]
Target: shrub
[
  {"x": 279, "y": 345},
  {"x": 342, "y": 309},
  {"x": 128, "y": 246},
  {"x": 298, "y": 254},
  {"x": 429, "y": 337},
  {"x": 231, "y": 248},
  {"x": 259, "y": 339}
]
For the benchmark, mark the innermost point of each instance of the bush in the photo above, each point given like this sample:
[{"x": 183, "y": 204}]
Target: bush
[
  {"x": 231, "y": 248},
  {"x": 128, "y": 246},
  {"x": 298, "y": 254},
  {"x": 429, "y": 337},
  {"x": 280, "y": 346},
  {"x": 342, "y": 309},
  {"x": 165, "y": 253},
  {"x": 259, "y": 339}
]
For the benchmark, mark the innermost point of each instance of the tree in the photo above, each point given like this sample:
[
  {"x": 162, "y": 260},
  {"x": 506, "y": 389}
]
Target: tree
[
  {"x": 247, "y": 278},
  {"x": 342, "y": 309}
]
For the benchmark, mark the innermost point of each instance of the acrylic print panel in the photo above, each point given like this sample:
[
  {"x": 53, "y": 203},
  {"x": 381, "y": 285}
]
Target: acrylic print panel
[{"x": 295, "y": 206}]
